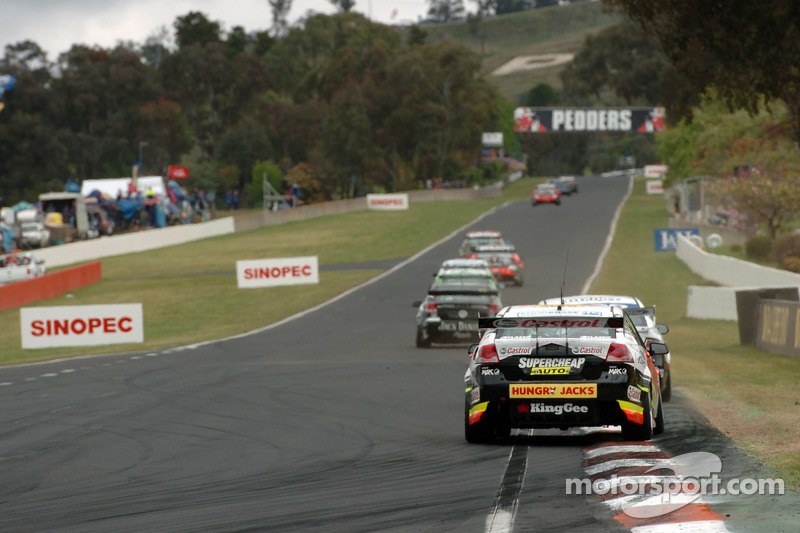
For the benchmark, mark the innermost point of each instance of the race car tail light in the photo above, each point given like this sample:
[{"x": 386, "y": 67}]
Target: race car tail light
[
  {"x": 487, "y": 354},
  {"x": 431, "y": 308},
  {"x": 618, "y": 353},
  {"x": 517, "y": 259}
]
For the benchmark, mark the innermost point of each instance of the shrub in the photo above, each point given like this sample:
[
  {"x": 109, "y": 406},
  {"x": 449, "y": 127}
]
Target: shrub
[
  {"x": 787, "y": 246},
  {"x": 758, "y": 247},
  {"x": 736, "y": 248},
  {"x": 792, "y": 264}
]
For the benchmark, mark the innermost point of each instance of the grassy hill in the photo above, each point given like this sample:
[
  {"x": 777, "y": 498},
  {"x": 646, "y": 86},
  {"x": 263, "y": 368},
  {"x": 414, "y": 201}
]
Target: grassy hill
[{"x": 540, "y": 31}]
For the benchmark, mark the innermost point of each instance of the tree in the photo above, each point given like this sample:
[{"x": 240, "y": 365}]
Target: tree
[
  {"x": 765, "y": 199},
  {"x": 280, "y": 14},
  {"x": 623, "y": 65},
  {"x": 745, "y": 50},
  {"x": 196, "y": 28},
  {"x": 344, "y": 6},
  {"x": 446, "y": 10}
]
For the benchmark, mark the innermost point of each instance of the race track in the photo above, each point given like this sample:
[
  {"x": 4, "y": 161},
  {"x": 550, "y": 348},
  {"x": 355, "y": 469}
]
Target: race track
[{"x": 330, "y": 422}]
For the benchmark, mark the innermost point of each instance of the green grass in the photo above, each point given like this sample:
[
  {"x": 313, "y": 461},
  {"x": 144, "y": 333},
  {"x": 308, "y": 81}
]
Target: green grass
[
  {"x": 750, "y": 395},
  {"x": 189, "y": 292}
]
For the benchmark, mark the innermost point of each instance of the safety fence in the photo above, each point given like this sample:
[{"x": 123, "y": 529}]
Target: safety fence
[{"x": 50, "y": 285}]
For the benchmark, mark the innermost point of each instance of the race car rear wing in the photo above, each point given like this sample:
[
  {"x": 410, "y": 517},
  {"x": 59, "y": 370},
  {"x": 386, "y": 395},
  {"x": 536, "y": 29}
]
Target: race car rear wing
[{"x": 549, "y": 322}]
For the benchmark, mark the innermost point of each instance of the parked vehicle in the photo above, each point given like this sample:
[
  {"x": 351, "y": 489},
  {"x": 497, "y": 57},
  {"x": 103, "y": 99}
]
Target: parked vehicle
[{"x": 33, "y": 235}]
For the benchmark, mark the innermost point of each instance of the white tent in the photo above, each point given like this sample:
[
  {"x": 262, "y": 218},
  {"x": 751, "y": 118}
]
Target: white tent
[{"x": 113, "y": 186}]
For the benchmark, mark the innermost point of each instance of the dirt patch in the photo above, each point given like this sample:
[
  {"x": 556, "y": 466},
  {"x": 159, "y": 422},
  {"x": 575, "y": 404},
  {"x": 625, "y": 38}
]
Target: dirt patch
[{"x": 525, "y": 63}]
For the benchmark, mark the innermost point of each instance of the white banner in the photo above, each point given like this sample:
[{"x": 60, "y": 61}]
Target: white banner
[
  {"x": 396, "y": 201},
  {"x": 492, "y": 139},
  {"x": 81, "y": 325},
  {"x": 254, "y": 273},
  {"x": 656, "y": 171},
  {"x": 655, "y": 187}
]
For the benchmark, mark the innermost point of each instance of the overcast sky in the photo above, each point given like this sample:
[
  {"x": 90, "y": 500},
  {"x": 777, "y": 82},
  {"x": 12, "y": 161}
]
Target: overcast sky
[{"x": 55, "y": 25}]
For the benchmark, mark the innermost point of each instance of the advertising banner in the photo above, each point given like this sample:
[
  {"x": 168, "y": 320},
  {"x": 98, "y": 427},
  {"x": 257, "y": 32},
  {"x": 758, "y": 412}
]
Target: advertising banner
[
  {"x": 255, "y": 273},
  {"x": 387, "y": 202},
  {"x": 492, "y": 139},
  {"x": 666, "y": 239},
  {"x": 81, "y": 325},
  {"x": 656, "y": 171},
  {"x": 655, "y": 187},
  {"x": 632, "y": 119}
]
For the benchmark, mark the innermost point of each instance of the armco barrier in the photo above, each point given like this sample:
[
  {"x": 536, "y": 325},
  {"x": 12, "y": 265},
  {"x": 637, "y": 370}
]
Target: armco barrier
[
  {"x": 49, "y": 286},
  {"x": 76, "y": 252},
  {"x": 251, "y": 221}
]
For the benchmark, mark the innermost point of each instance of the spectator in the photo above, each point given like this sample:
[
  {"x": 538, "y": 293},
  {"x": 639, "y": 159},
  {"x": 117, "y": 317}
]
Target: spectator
[{"x": 236, "y": 198}]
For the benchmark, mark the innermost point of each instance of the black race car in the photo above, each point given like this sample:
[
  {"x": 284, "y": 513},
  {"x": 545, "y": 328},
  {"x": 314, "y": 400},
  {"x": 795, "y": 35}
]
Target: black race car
[
  {"x": 541, "y": 366},
  {"x": 450, "y": 311}
]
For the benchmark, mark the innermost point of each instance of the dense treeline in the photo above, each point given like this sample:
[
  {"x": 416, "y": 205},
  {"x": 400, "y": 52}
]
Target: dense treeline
[{"x": 339, "y": 104}]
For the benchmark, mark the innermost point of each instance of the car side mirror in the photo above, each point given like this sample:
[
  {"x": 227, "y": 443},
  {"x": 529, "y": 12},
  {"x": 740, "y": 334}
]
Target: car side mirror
[
  {"x": 658, "y": 348},
  {"x": 417, "y": 303},
  {"x": 471, "y": 350},
  {"x": 662, "y": 328}
]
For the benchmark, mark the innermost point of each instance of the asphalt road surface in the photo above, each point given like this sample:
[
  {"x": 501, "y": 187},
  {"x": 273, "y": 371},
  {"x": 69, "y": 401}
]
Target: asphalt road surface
[{"x": 330, "y": 422}]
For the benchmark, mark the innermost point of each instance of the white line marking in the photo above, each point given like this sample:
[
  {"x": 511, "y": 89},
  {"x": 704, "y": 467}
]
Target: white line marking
[
  {"x": 699, "y": 526},
  {"x": 633, "y": 448},
  {"x": 626, "y": 463},
  {"x": 68, "y": 371},
  {"x": 49, "y": 375},
  {"x": 6, "y": 383}
]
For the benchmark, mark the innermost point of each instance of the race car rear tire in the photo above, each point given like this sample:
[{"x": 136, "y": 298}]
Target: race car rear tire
[
  {"x": 558, "y": 202},
  {"x": 667, "y": 392},
  {"x": 482, "y": 431},
  {"x": 659, "y": 429},
  {"x": 643, "y": 431},
  {"x": 423, "y": 341}
]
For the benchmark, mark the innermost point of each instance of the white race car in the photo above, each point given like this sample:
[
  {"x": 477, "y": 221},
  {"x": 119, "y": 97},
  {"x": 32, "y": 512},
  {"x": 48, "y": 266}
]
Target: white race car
[{"x": 644, "y": 318}]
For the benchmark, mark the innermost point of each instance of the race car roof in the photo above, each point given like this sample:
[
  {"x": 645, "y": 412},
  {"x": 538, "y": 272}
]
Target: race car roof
[
  {"x": 461, "y": 273},
  {"x": 603, "y": 299},
  {"x": 464, "y": 263},
  {"x": 483, "y": 234},
  {"x": 488, "y": 248}
]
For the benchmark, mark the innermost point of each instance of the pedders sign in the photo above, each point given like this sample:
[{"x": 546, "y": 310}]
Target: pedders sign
[
  {"x": 251, "y": 274},
  {"x": 81, "y": 325},
  {"x": 392, "y": 202}
]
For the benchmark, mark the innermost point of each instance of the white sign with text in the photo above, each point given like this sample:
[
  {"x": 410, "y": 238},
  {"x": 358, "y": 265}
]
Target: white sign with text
[
  {"x": 81, "y": 325},
  {"x": 254, "y": 273},
  {"x": 396, "y": 201}
]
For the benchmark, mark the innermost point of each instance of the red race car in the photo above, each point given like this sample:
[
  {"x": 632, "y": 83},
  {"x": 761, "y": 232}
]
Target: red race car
[{"x": 545, "y": 194}]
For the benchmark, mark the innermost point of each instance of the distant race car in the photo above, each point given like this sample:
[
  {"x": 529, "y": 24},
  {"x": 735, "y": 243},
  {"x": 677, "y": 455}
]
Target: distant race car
[
  {"x": 545, "y": 194},
  {"x": 566, "y": 184},
  {"x": 644, "y": 318},
  {"x": 449, "y": 313},
  {"x": 473, "y": 239},
  {"x": 504, "y": 261},
  {"x": 561, "y": 367}
]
